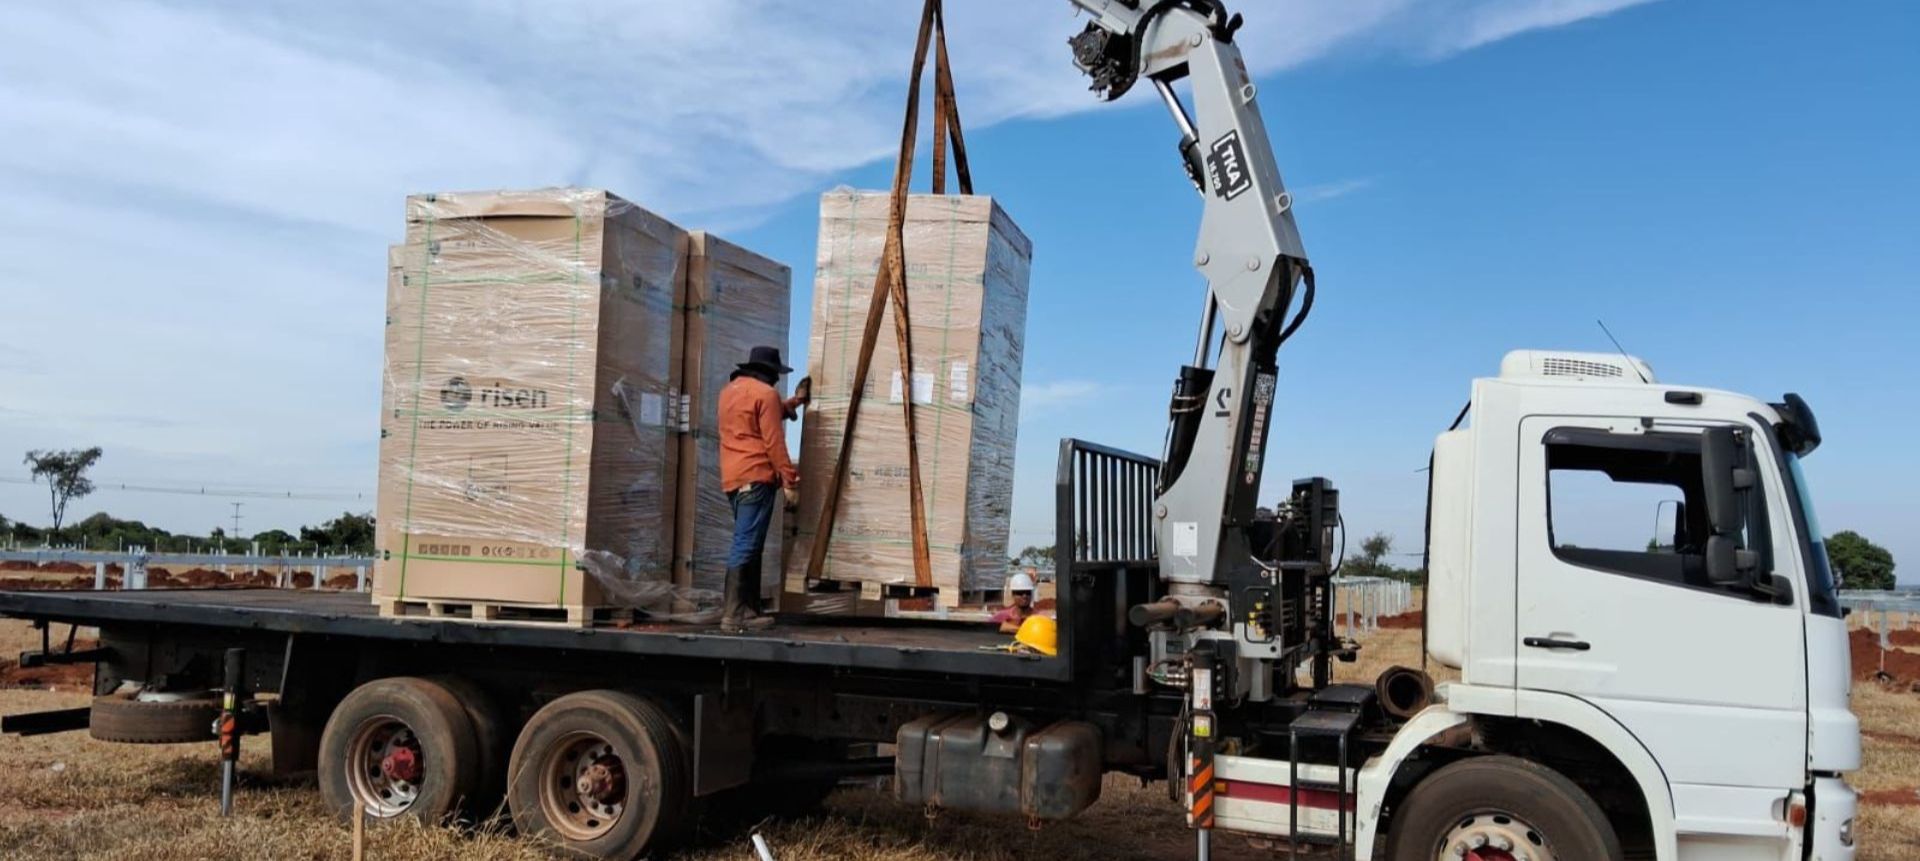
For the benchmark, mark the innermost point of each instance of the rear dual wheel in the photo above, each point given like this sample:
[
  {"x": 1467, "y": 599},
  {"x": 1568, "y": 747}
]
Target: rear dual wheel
[
  {"x": 400, "y": 747},
  {"x": 604, "y": 772}
]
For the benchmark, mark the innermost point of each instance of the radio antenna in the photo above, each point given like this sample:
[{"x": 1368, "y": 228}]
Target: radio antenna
[{"x": 1623, "y": 351}]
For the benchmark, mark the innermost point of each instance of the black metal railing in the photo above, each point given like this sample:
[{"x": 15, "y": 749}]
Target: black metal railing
[
  {"x": 1104, "y": 559},
  {"x": 1104, "y": 505}
]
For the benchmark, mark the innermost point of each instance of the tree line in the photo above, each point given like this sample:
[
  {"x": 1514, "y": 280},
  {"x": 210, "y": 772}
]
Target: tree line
[
  {"x": 1857, "y": 563},
  {"x": 64, "y": 472}
]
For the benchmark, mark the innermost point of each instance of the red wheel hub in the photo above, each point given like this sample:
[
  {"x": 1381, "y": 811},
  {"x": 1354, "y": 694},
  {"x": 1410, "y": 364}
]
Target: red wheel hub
[
  {"x": 603, "y": 781},
  {"x": 401, "y": 763}
]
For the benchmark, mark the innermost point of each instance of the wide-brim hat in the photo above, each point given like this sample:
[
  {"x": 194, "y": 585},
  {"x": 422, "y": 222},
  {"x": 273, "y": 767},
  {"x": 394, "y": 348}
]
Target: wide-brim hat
[{"x": 766, "y": 359}]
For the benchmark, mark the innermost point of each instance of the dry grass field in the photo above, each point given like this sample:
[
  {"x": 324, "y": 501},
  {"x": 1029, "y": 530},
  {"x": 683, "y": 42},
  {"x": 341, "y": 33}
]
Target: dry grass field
[{"x": 68, "y": 797}]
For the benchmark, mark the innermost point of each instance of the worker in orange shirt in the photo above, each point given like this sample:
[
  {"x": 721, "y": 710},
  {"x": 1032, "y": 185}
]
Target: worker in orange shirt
[{"x": 755, "y": 473}]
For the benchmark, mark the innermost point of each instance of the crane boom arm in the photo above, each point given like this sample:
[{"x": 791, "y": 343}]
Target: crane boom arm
[{"x": 1250, "y": 253}]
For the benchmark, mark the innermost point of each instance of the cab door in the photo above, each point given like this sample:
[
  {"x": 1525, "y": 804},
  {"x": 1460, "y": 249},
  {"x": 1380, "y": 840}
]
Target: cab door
[{"x": 1614, "y": 606}]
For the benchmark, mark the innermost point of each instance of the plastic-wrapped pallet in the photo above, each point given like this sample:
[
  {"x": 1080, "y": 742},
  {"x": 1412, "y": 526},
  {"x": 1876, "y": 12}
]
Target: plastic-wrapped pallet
[
  {"x": 528, "y": 412},
  {"x": 735, "y": 300},
  {"x": 967, "y": 268}
]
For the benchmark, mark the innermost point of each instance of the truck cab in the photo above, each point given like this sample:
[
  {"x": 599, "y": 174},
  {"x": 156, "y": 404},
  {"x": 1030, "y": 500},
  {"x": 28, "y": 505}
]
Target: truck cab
[{"x": 1638, "y": 564}]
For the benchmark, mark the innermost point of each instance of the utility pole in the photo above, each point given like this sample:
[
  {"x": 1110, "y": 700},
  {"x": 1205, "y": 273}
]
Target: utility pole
[{"x": 236, "y": 520}]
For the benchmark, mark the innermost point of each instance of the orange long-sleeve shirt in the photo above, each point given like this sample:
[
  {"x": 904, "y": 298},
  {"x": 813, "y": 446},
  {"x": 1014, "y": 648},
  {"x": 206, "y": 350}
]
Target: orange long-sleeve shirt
[{"x": 753, "y": 436}]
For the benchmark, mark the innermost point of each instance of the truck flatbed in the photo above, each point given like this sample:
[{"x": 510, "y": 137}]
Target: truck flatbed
[{"x": 877, "y": 644}]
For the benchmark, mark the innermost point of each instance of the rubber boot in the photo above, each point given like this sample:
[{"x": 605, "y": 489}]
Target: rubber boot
[
  {"x": 750, "y": 591},
  {"x": 735, "y": 614}
]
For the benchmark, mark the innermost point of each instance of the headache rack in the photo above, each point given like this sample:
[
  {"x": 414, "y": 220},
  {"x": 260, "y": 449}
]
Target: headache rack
[{"x": 1104, "y": 558}]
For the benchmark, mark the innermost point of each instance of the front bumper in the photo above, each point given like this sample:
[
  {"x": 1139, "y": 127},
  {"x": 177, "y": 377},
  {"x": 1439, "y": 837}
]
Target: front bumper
[{"x": 1832, "y": 832}]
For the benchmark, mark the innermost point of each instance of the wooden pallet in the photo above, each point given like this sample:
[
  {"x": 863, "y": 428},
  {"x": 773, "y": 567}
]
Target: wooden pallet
[
  {"x": 873, "y": 590},
  {"x": 468, "y": 610}
]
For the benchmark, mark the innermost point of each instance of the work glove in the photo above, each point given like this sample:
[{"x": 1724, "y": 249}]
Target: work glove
[
  {"x": 803, "y": 391},
  {"x": 792, "y": 495}
]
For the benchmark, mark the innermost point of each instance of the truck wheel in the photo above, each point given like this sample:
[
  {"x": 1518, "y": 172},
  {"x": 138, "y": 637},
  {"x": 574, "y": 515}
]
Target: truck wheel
[
  {"x": 126, "y": 719},
  {"x": 493, "y": 740},
  {"x": 1500, "y": 808},
  {"x": 603, "y": 772},
  {"x": 399, "y": 747}
]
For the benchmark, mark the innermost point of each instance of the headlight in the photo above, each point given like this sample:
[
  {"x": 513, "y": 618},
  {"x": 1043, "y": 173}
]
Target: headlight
[{"x": 1846, "y": 833}]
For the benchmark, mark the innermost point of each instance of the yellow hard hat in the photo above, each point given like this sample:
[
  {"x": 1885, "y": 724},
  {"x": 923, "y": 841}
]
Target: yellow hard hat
[{"x": 1039, "y": 633}]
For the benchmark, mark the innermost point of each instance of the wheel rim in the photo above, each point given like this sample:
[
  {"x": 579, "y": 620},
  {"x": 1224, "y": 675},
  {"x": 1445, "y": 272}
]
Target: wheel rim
[
  {"x": 385, "y": 766},
  {"x": 1495, "y": 836},
  {"x": 583, "y": 786}
]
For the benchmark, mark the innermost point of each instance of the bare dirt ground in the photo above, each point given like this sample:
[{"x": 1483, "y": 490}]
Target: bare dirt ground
[{"x": 68, "y": 797}]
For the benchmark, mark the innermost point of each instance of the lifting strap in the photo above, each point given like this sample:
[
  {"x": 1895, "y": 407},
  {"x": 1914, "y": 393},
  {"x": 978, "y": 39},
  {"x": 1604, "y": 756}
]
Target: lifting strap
[{"x": 890, "y": 282}]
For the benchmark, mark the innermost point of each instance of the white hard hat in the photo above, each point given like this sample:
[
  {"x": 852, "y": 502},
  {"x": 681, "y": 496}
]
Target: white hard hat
[{"x": 1020, "y": 582}]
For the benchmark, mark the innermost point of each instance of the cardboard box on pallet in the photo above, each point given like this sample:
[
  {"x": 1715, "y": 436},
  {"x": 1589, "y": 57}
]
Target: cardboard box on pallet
[
  {"x": 967, "y": 268},
  {"x": 735, "y": 300},
  {"x": 528, "y": 411}
]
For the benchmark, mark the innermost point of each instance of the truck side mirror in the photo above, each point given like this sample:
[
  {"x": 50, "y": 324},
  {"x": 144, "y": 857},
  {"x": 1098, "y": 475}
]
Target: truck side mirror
[
  {"x": 1724, "y": 476},
  {"x": 1728, "y": 565}
]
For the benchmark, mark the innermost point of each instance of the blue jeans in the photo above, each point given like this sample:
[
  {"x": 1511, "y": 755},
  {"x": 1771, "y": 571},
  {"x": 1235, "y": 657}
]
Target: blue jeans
[{"x": 752, "y": 515}]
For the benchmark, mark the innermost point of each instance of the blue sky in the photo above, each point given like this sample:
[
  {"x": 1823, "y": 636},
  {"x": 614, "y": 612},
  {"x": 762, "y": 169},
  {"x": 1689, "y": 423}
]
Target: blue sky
[{"x": 191, "y": 251}]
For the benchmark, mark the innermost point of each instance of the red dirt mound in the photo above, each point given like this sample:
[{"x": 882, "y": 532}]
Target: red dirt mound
[
  {"x": 1907, "y": 797},
  {"x": 302, "y": 580},
  {"x": 1904, "y": 638},
  {"x": 65, "y": 677},
  {"x": 343, "y": 582},
  {"x": 49, "y": 568},
  {"x": 202, "y": 577},
  {"x": 1891, "y": 737},
  {"x": 26, "y": 584},
  {"x": 1409, "y": 619},
  {"x": 1902, "y": 665}
]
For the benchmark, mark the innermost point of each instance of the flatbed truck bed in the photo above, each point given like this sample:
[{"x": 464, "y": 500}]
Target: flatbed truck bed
[
  {"x": 878, "y": 644},
  {"x": 437, "y": 718}
]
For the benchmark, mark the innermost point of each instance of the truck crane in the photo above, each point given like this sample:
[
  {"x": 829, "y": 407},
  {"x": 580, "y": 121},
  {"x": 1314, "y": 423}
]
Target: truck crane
[
  {"x": 1687, "y": 701},
  {"x": 1244, "y": 600}
]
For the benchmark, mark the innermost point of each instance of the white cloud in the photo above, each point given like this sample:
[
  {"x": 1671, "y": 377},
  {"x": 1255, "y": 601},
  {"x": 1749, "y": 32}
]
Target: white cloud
[
  {"x": 1330, "y": 190},
  {"x": 1038, "y": 399},
  {"x": 198, "y": 194},
  {"x": 1484, "y": 22}
]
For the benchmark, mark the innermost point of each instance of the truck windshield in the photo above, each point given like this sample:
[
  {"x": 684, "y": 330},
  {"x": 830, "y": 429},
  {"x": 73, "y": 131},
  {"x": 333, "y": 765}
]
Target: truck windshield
[{"x": 1814, "y": 544}]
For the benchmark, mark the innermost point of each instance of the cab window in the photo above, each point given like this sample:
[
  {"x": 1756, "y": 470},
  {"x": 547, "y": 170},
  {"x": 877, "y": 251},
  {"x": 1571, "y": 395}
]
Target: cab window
[{"x": 1633, "y": 504}]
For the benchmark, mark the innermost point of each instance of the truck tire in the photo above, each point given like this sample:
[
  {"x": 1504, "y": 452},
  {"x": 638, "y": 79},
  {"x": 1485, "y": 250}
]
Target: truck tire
[
  {"x": 399, "y": 747},
  {"x": 1515, "y": 807},
  {"x": 124, "y": 719},
  {"x": 493, "y": 741},
  {"x": 605, "y": 773}
]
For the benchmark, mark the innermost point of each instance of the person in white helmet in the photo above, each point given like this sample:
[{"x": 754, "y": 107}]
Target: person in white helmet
[{"x": 1020, "y": 606}]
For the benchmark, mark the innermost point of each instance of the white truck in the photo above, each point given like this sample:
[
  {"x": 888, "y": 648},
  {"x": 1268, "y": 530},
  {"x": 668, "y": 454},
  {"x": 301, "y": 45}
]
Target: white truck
[
  {"x": 1682, "y": 698},
  {"x": 1706, "y": 677}
]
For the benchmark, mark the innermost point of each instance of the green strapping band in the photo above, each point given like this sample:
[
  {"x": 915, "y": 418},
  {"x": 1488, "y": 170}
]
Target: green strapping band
[
  {"x": 573, "y": 339},
  {"x": 419, "y": 371},
  {"x": 491, "y": 560},
  {"x": 495, "y": 278},
  {"x": 529, "y": 414}
]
